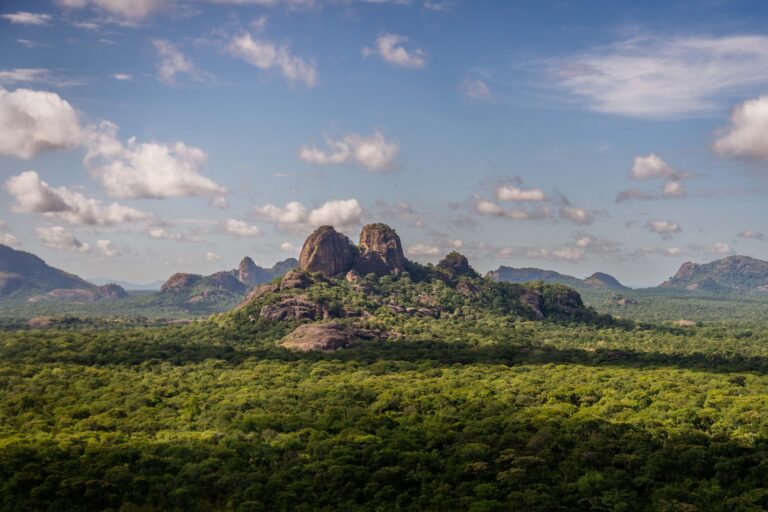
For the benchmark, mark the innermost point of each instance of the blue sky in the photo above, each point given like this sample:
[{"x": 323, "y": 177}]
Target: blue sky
[{"x": 142, "y": 138}]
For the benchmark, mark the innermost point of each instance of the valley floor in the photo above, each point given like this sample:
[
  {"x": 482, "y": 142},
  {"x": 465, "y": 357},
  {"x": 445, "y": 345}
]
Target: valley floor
[{"x": 523, "y": 416}]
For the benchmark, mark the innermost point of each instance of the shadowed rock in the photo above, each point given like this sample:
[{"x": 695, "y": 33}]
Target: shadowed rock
[
  {"x": 458, "y": 265},
  {"x": 327, "y": 251}
]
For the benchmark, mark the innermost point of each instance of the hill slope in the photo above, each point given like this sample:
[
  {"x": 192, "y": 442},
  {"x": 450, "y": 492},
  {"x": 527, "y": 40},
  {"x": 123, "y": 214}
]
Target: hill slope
[
  {"x": 24, "y": 275},
  {"x": 738, "y": 274}
]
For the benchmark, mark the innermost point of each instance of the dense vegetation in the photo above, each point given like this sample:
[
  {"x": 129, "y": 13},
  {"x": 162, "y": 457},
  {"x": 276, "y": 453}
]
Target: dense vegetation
[{"x": 481, "y": 409}]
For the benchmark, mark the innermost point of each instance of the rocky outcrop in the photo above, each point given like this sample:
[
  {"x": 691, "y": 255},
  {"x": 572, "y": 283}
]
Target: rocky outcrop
[
  {"x": 381, "y": 251},
  {"x": 295, "y": 280},
  {"x": 251, "y": 274},
  {"x": 457, "y": 265},
  {"x": 180, "y": 282},
  {"x": 738, "y": 274},
  {"x": 106, "y": 292},
  {"x": 292, "y": 307},
  {"x": 327, "y": 251},
  {"x": 325, "y": 336}
]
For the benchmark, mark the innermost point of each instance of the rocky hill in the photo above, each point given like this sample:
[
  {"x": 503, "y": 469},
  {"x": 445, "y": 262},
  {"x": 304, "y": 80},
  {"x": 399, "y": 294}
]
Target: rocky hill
[
  {"x": 525, "y": 275},
  {"x": 343, "y": 294},
  {"x": 734, "y": 274},
  {"x": 25, "y": 276},
  {"x": 224, "y": 285}
]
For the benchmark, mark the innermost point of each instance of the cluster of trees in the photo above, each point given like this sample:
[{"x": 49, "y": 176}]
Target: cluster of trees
[{"x": 474, "y": 412}]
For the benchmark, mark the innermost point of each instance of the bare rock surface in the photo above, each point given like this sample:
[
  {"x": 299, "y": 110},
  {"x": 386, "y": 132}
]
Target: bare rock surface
[
  {"x": 325, "y": 336},
  {"x": 327, "y": 251}
]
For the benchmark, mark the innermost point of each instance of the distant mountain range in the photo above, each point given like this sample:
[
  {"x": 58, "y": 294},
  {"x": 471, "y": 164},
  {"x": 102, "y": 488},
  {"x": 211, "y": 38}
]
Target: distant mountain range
[
  {"x": 738, "y": 274},
  {"x": 126, "y": 285},
  {"x": 24, "y": 275},
  {"x": 524, "y": 275},
  {"x": 192, "y": 288}
]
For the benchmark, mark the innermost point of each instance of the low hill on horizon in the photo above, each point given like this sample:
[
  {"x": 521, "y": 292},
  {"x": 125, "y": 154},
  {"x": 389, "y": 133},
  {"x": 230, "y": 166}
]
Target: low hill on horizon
[
  {"x": 529, "y": 274},
  {"x": 733, "y": 274}
]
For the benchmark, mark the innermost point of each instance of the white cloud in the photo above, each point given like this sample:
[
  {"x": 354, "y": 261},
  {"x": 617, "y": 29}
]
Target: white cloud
[
  {"x": 294, "y": 215},
  {"x": 149, "y": 169},
  {"x": 751, "y": 233},
  {"x": 674, "y": 189},
  {"x": 476, "y": 90},
  {"x": 291, "y": 4},
  {"x": 506, "y": 192},
  {"x": 491, "y": 209},
  {"x": 129, "y": 11},
  {"x": 35, "y": 196},
  {"x": 172, "y": 62},
  {"x": 12, "y": 76},
  {"x": 374, "y": 152},
  {"x": 746, "y": 136},
  {"x": 267, "y": 55},
  {"x": 212, "y": 256},
  {"x": 663, "y": 77},
  {"x": 59, "y": 238},
  {"x": 240, "y": 228},
  {"x": 164, "y": 234},
  {"x": 666, "y": 228},
  {"x": 390, "y": 48},
  {"x": 107, "y": 248},
  {"x": 719, "y": 248},
  {"x": 651, "y": 167},
  {"x": 289, "y": 248},
  {"x": 9, "y": 240},
  {"x": 34, "y": 121},
  {"x": 122, "y": 76},
  {"x": 576, "y": 215},
  {"x": 423, "y": 250},
  {"x": 27, "y": 18}
]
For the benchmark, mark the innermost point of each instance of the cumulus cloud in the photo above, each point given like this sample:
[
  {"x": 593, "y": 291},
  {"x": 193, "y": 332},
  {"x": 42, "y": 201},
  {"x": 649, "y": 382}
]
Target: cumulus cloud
[
  {"x": 373, "y": 152},
  {"x": 34, "y": 121},
  {"x": 59, "y": 238},
  {"x": 128, "y": 11},
  {"x": 159, "y": 233},
  {"x": 240, "y": 228},
  {"x": 34, "y": 195},
  {"x": 653, "y": 167},
  {"x": 289, "y": 248},
  {"x": 27, "y": 18},
  {"x": 149, "y": 169},
  {"x": 390, "y": 48},
  {"x": 665, "y": 228},
  {"x": 507, "y": 192},
  {"x": 751, "y": 233},
  {"x": 674, "y": 189},
  {"x": 576, "y": 215},
  {"x": 212, "y": 256},
  {"x": 719, "y": 248},
  {"x": 9, "y": 240},
  {"x": 476, "y": 90},
  {"x": 423, "y": 250},
  {"x": 294, "y": 216},
  {"x": 122, "y": 77},
  {"x": 172, "y": 62},
  {"x": 746, "y": 137},
  {"x": 663, "y": 77},
  {"x": 268, "y": 55},
  {"x": 491, "y": 209},
  {"x": 107, "y": 248}
]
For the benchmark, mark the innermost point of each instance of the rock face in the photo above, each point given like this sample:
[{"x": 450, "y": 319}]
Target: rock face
[
  {"x": 292, "y": 307},
  {"x": 180, "y": 282},
  {"x": 327, "y": 251},
  {"x": 381, "y": 251},
  {"x": 732, "y": 274},
  {"x": 251, "y": 274},
  {"x": 458, "y": 265},
  {"x": 525, "y": 275},
  {"x": 324, "y": 336}
]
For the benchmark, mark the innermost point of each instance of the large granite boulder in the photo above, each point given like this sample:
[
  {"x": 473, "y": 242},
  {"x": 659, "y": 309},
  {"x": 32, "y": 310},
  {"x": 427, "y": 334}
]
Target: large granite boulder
[
  {"x": 327, "y": 251},
  {"x": 292, "y": 307},
  {"x": 325, "y": 336},
  {"x": 381, "y": 252}
]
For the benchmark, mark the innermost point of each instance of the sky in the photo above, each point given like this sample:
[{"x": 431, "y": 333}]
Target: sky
[{"x": 146, "y": 137}]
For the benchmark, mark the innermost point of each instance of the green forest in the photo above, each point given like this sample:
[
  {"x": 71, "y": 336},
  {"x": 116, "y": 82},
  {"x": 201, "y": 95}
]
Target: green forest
[{"x": 482, "y": 409}]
